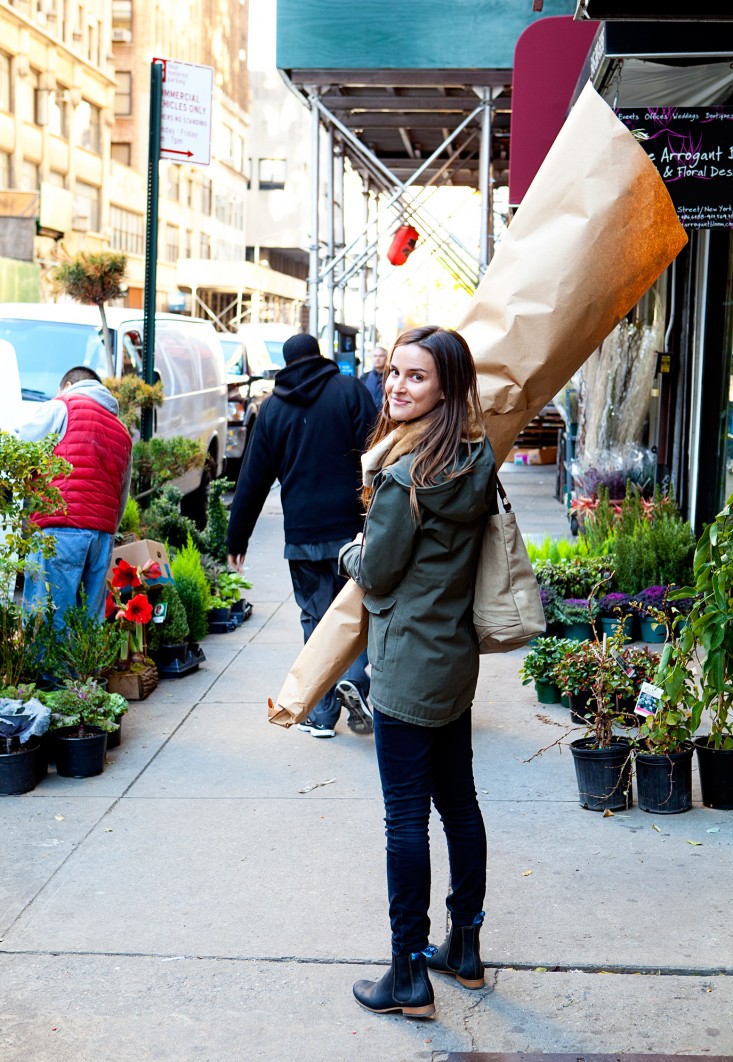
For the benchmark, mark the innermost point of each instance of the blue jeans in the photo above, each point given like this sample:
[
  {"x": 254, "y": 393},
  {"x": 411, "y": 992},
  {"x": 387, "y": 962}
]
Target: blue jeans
[
  {"x": 315, "y": 584},
  {"x": 81, "y": 561},
  {"x": 417, "y": 763}
]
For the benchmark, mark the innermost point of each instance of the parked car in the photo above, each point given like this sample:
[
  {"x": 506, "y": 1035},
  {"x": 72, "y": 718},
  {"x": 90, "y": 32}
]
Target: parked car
[
  {"x": 50, "y": 338},
  {"x": 253, "y": 356}
]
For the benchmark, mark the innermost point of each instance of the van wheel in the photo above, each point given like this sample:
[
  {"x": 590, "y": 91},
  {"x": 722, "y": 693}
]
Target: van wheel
[{"x": 196, "y": 504}]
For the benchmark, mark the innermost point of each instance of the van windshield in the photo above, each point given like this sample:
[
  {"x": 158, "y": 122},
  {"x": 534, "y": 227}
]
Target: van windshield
[
  {"x": 47, "y": 349},
  {"x": 275, "y": 350}
]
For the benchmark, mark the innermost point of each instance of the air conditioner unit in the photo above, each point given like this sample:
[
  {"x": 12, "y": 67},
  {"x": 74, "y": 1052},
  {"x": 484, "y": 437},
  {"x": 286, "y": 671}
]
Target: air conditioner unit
[{"x": 122, "y": 36}]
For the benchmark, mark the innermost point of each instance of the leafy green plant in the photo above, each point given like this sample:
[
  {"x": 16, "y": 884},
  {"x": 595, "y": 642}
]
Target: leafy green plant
[
  {"x": 215, "y": 536},
  {"x": 230, "y": 586},
  {"x": 573, "y": 578},
  {"x": 163, "y": 520},
  {"x": 653, "y": 544},
  {"x": 672, "y": 725},
  {"x": 576, "y": 610},
  {"x": 174, "y": 628},
  {"x": 130, "y": 523},
  {"x": 709, "y": 627},
  {"x": 93, "y": 277},
  {"x": 133, "y": 396},
  {"x": 87, "y": 648},
  {"x": 576, "y": 668},
  {"x": 543, "y": 657},
  {"x": 21, "y": 643},
  {"x": 156, "y": 462},
  {"x": 83, "y": 703},
  {"x": 599, "y": 529},
  {"x": 192, "y": 587},
  {"x": 555, "y": 550}
]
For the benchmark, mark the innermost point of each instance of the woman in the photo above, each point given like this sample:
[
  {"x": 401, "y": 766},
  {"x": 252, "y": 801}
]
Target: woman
[{"x": 430, "y": 482}]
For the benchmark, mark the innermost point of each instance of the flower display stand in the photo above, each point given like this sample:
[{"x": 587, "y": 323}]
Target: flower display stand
[{"x": 134, "y": 685}]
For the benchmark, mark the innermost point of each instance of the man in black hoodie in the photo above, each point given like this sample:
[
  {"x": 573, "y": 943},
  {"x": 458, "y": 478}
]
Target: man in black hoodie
[{"x": 309, "y": 435}]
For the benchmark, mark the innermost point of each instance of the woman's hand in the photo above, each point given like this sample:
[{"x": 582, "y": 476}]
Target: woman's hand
[{"x": 236, "y": 562}]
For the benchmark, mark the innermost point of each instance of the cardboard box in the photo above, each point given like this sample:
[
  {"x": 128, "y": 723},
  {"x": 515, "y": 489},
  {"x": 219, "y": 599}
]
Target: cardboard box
[
  {"x": 138, "y": 553},
  {"x": 545, "y": 455}
]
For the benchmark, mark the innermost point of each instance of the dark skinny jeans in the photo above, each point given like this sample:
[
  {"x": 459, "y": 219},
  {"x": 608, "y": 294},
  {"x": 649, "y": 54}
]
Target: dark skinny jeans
[{"x": 417, "y": 764}]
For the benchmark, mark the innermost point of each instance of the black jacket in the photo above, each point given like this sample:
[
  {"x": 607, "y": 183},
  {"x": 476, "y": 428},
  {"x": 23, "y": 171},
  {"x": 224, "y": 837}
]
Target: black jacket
[{"x": 309, "y": 435}]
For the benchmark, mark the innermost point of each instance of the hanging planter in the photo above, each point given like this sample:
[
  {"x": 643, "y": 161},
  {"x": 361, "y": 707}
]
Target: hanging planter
[{"x": 603, "y": 775}]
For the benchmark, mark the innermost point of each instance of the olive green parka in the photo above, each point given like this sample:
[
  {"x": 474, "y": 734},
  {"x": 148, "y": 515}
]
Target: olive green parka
[{"x": 418, "y": 579}]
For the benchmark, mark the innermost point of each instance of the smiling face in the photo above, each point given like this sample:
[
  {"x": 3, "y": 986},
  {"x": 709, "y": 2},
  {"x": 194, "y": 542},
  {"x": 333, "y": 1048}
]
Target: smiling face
[{"x": 412, "y": 385}]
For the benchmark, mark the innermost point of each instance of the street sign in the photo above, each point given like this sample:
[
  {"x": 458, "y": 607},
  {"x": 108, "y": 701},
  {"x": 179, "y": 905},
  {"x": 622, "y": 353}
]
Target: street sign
[{"x": 185, "y": 126}]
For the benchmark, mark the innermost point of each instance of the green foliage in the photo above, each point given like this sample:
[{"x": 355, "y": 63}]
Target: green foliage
[
  {"x": 174, "y": 628},
  {"x": 575, "y": 577},
  {"x": 85, "y": 649},
  {"x": 91, "y": 277},
  {"x": 653, "y": 549},
  {"x": 599, "y": 529},
  {"x": 163, "y": 521},
  {"x": 193, "y": 588},
  {"x": 543, "y": 657},
  {"x": 130, "y": 524},
  {"x": 21, "y": 644},
  {"x": 27, "y": 470},
  {"x": 158, "y": 461},
  {"x": 710, "y": 627},
  {"x": 229, "y": 587},
  {"x": 85, "y": 703},
  {"x": 555, "y": 550},
  {"x": 133, "y": 395},
  {"x": 215, "y": 536},
  {"x": 576, "y": 610}
]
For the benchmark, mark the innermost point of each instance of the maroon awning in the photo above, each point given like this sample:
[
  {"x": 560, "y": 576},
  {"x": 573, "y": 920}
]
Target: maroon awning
[{"x": 548, "y": 59}]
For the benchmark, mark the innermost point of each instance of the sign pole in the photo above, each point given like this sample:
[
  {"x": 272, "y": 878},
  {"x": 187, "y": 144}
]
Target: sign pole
[{"x": 151, "y": 241}]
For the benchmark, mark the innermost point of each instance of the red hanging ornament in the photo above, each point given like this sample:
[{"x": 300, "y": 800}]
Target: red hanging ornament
[{"x": 403, "y": 244}]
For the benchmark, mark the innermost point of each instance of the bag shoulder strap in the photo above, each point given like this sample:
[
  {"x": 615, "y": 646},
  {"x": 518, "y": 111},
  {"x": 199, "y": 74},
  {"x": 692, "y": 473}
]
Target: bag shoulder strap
[{"x": 503, "y": 495}]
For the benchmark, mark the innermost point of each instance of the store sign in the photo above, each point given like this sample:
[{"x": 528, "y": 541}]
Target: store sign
[{"x": 693, "y": 151}]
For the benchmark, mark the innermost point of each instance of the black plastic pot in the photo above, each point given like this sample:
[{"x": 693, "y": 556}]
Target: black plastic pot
[
  {"x": 80, "y": 757},
  {"x": 19, "y": 769},
  {"x": 664, "y": 783},
  {"x": 604, "y": 775},
  {"x": 241, "y": 611},
  {"x": 581, "y": 710},
  {"x": 114, "y": 737},
  {"x": 716, "y": 775},
  {"x": 168, "y": 655}
]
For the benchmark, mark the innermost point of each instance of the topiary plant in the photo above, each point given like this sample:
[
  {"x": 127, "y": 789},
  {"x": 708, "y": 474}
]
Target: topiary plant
[
  {"x": 192, "y": 587},
  {"x": 174, "y": 628},
  {"x": 93, "y": 277},
  {"x": 215, "y": 536}
]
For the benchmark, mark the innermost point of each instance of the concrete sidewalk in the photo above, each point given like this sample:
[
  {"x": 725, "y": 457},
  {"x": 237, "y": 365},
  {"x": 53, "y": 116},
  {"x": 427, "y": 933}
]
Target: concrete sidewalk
[{"x": 199, "y": 901}]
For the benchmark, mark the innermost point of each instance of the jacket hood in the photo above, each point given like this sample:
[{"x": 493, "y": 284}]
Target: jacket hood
[
  {"x": 302, "y": 381},
  {"x": 463, "y": 498},
  {"x": 96, "y": 391}
]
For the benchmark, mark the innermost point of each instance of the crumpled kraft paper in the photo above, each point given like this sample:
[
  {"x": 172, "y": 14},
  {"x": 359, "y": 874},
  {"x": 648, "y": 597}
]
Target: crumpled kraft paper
[{"x": 595, "y": 230}]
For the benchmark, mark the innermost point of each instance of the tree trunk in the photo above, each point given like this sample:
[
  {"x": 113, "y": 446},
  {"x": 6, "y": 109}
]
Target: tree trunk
[{"x": 107, "y": 340}]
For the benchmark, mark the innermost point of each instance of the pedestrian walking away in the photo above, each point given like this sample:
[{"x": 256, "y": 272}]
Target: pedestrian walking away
[
  {"x": 309, "y": 436},
  {"x": 430, "y": 483},
  {"x": 374, "y": 379},
  {"x": 98, "y": 446}
]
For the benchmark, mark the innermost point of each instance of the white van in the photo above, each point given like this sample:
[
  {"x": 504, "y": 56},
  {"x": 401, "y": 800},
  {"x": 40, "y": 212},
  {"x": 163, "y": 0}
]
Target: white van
[{"x": 50, "y": 338}]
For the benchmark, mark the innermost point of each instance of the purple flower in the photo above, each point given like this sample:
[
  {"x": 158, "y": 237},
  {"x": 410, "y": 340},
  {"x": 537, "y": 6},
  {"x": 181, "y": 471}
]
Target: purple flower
[{"x": 614, "y": 604}]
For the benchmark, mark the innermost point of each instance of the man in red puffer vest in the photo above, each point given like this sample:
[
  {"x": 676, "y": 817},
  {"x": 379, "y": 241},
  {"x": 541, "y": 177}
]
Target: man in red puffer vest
[{"x": 98, "y": 446}]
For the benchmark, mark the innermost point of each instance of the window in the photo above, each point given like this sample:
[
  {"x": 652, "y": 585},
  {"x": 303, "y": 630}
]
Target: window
[
  {"x": 172, "y": 243},
  {"x": 206, "y": 195},
  {"x": 188, "y": 244},
  {"x": 271, "y": 176},
  {"x": 5, "y": 82},
  {"x": 205, "y": 245},
  {"x": 27, "y": 96},
  {"x": 121, "y": 153},
  {"x": 88, "y": 121},
  {"x": 30, "y": 180},
  {"x": 4, "y": 170},
  {"x": 122, "y": 21},
  {"x": 86, "y": 207},
  {"x": 128, "y": 230},
  {"x": 58, "y": 112},
  {"x": 222, "y": 207},
  {"x": 123, "y": 93}
]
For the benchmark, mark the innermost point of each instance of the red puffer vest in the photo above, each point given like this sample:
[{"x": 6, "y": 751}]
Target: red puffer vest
[{"x": 98, "y": 446}]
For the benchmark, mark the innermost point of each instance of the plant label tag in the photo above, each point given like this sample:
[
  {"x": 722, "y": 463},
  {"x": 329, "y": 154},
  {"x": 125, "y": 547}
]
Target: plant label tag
[
  {"x": 625, "y": 666},
  {"x": 649, "y": 700},
  {"x": 160, "y": 611}
]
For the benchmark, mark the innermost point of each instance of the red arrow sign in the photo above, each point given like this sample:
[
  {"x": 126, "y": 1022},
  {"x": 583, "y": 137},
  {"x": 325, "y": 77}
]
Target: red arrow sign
[{"x": 175, "y": 151}]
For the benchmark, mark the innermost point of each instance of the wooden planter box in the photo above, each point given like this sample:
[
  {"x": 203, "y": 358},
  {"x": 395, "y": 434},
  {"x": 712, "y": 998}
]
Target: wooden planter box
[{"x": 134, "y": 685}]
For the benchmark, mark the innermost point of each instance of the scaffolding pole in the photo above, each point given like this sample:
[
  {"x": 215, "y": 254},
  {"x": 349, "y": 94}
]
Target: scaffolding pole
[{"x": 313, "y": 264}]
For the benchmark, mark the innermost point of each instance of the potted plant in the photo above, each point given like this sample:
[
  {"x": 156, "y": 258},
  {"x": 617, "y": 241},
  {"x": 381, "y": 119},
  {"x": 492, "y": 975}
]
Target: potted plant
[
  {"x": 574, "y": 672},
  {"x": 640, "y": 665},
  {"x": 193, "y": 588},
  {"x": 709, "y": 627},
  {"x": 82, "y": 714},
  {"x": 168, "y": 635},
  {"x": 576, "y": 615},
  {"x": 539, "y": 665},
  {"x": 650, "y": 607},
  {"x": 615, "y": 610},
  {"x": 135, "y": 675},
  {"x": 89, "y": 648},
  {"x": 23, "y": 719},
  {"x": 548, "y": 597},
  {"x": 664, "y": 759},
  {"x": 230, "y": 586}
]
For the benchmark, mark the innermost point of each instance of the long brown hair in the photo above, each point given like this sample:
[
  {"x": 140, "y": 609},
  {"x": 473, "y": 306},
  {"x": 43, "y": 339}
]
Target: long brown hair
[{"x": 456, "y": 418}]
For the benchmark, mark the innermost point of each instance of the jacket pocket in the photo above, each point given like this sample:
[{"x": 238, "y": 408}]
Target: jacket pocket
[{"x": 381, "y": 610}]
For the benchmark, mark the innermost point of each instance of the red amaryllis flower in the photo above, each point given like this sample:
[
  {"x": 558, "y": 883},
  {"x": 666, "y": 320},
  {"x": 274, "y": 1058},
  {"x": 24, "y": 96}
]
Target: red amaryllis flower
[
  {"x": 110, "y": 607},
  {"x": 139, "y": 610},
  {"x": 124, "y": 575},
  {"x": 151, "y": 570}
]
